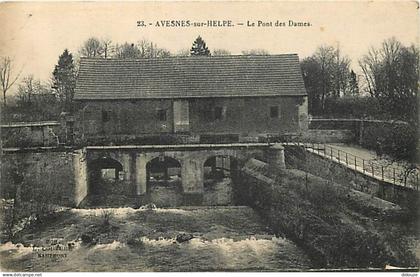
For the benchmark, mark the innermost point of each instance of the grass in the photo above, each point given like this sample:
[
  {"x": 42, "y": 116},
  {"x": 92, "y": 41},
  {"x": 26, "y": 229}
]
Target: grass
[{"x": 340, "y": 228}]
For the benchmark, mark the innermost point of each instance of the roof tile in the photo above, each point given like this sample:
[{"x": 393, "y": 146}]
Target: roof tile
[{"x": 190, "y": 77}]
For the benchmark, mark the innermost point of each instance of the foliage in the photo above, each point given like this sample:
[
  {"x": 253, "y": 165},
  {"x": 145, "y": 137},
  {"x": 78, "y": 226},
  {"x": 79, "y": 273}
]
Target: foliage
[
  {"x": 391, "y": 73},
  {"x": 8, "y": 217},
  {"x": 64, "y": 80},
  {"x": 18, "y": 137},
  {"x": 352, "y": 107},
  {"x": 11, "y": 208},
  {"x": 256, "y": 52},
  {"x": 221, "y": 52},
  {"x": 398, "y": 139},
  {"x": 106, "y": 217},
  {"x": 35, "y": 101},
  {"x": 199, "y": 48},
  {"x": 183, "y": 52},
  {"x": 94, "y": 47},
  {"x": 353, "y": 84},
  {"x": 127, "y": 51},
  {"x": 143, "y": 49},
  {"x": 318, "y": 216},
  {"x": 149, "y": 49},
  {"x": 327, "y": 74}
]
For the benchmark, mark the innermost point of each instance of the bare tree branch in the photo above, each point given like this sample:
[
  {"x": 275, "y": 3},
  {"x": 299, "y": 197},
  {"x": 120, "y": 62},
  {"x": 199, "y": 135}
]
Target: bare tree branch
[{"x": 7, "y": 79}]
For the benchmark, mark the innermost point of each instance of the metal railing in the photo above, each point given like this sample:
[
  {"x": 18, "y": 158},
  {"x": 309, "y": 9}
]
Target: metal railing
[{"x": 396, "y": 175}]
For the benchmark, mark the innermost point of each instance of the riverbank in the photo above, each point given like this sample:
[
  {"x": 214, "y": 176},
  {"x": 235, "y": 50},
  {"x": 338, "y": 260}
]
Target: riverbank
[{"x": 338, "y": 227}]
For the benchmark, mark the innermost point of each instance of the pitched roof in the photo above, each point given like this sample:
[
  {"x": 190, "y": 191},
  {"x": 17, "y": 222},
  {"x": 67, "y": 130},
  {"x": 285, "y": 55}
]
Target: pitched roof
[{"x": 190, "y": 77}]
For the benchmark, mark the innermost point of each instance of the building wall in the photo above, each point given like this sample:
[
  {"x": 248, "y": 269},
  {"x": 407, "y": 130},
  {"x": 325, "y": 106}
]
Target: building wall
[
  {"x": 243, "y": 116},
  {"x": 125, "y": 117}
]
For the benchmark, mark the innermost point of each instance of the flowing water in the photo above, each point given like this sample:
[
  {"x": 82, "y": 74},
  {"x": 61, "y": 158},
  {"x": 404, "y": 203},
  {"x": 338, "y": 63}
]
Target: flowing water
[{"x": 224, "y": 239}]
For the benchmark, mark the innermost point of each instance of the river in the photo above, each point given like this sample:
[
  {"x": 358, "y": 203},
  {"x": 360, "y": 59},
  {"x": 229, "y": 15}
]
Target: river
[{"x": 224, "y": 239}]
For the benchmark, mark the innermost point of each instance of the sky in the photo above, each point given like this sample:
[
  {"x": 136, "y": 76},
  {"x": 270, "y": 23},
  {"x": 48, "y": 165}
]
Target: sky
[{"x": 34, "y": 34}]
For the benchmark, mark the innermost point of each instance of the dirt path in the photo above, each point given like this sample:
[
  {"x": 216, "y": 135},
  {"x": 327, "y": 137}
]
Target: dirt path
[{"x": 224, "y": 239}]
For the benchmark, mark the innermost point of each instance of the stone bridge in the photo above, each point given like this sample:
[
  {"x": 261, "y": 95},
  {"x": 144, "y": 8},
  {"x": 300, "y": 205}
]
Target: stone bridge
[{"x": 134, "y": 166}]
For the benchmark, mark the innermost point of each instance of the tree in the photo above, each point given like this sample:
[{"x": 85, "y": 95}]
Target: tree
[
  {"x": 391, "y": 74},
  {"x": 36, "y": 101},
  {"x": 256, "y": 52},
  {"x": 353, "y": 84},
  {"x": 143, "y": 49},
  {"x": 127, "y": 51},
  {"x": 199, "y": 48},
  {"x": 26, "y": 89},
  {"x": 107, "y": 48},
  {"x": 64, "y": 79},
  {"x": 326, "y": 74},
  {"x": 92, "y": 47},
  {"x": 221, "y": 52},
  {"x": 183, "y": 53},
  {"x": 312, "y": 76},
  {"x": 149, "y": 49},
  {"x": 7, "y": 77}
]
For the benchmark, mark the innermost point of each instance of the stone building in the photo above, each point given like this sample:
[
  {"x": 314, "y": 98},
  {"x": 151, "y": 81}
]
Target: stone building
[
  {"x": 190, "y": 99},
  {"x": 181, "y": 103}
]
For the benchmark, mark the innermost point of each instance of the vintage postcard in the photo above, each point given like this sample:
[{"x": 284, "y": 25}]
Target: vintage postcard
[{"x": 191, "y": 136}]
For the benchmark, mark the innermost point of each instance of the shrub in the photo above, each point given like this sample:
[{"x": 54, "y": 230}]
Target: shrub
[
  {"x": 395, "y": 139},
  {"x": 352, "y": 107},
  {"x": 106, "y": 216}
]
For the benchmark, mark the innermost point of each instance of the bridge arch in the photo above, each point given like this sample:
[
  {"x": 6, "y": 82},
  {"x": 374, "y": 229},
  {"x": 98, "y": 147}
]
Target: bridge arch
[
  {"x": 219, "y": 166},
  {"x": 164, "y": 181},
  {"x": 105, "y": 176},
  {"x": 104, "y": 168},
  {"x": 220, "y": 172}
]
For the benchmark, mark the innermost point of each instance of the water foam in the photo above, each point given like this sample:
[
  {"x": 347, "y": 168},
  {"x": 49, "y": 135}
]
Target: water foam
[
  {"x": 18, "y": 249},
  {"x": 109, "y": 246},
  {"x": 124, "y": 212}
]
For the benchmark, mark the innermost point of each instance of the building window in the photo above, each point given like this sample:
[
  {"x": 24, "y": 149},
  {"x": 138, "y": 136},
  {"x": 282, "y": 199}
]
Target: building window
[
  {"x": 105, "y": 116},
  {"x": 161, "y": 115},
  {"x": 274, "y": 111},
  {"x": 219, "y": 113}
]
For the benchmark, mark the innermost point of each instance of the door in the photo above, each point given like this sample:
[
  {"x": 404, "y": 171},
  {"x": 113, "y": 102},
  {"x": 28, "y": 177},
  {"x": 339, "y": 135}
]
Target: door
[{"x": 181, "y": 116}]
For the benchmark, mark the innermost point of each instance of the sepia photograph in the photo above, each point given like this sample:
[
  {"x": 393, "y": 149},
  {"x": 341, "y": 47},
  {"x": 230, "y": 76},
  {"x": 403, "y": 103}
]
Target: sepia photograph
[{"x": 198, "y": 136}]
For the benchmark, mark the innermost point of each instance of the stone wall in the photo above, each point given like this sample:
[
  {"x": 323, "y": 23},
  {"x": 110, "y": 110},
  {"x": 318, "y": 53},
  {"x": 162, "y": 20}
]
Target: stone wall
[
  {"x": 337, "y": 226},
  {"x": 80, "y": 176},
  {"x": 334, "y": 124},
  {"x": 30, "y": 134},
  {"x": 312, "y": 163},
  {"x": 105, "y": 121},
  {"x": 168, "y": 195},
  {"x": 245, "y": 116},
  {"x": 356, "y": 126},
  {"x": 134, "y": 163},
  {"x": 218, "y": 193},
  {"x": 329, "y": 136},
  {"x": 44, "y": 177},
  {"x": 67, "y": 177}
]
